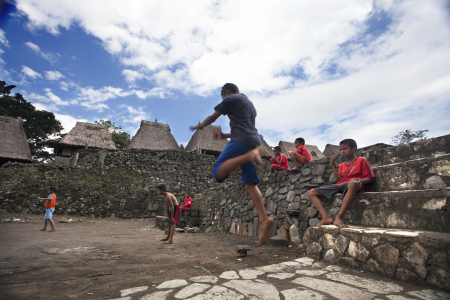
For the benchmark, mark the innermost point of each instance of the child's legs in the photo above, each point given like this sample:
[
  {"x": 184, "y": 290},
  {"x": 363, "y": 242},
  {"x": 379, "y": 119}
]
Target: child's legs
[
  {"x": 232, "y": 157},
  {"x": 51, "y": 223},
  {"x": 314, "y": 196},
  {"x": 256, "y": 196},
  {"x": 171, "y": 231},
  {"x": 299, "y": 159},
  {"x": 353, "y": 188}
]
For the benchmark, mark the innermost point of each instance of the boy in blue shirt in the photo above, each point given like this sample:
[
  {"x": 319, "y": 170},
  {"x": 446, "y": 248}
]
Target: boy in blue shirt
[{"x": 243, "y": 150}]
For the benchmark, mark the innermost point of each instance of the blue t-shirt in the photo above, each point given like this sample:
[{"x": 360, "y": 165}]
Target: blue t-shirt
[{"x": 242, "y": 113}]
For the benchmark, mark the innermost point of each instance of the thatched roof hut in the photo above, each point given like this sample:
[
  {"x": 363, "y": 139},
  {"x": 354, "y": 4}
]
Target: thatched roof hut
[
  {"x": 313, "y": 150},
  {"x": 331, "y": 150},
  {"x": 13, "y": 141},
  {"x": 153, "y": 136},
  {"x": 266, "y": 149},
  {"x": 202, "y": 141},
  {"x": 88, "y": 135}
]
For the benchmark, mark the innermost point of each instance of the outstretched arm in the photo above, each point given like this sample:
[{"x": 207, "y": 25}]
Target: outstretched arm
[{"x": 208, "y": 121}]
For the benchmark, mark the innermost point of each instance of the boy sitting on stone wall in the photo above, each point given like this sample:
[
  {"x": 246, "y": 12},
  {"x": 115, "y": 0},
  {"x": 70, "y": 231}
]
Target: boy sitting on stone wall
[{"x": 351, "y": 176}]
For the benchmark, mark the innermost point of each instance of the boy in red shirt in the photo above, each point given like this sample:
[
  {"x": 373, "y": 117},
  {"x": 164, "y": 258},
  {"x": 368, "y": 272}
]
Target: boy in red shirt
[
  {"x": 187, "y": 202},
  {"x": 49, "y": 208},
  {"x": 352, "y": 176},
  {"x": 301, "y": 156},
  {"x": 279, "y": 161}
]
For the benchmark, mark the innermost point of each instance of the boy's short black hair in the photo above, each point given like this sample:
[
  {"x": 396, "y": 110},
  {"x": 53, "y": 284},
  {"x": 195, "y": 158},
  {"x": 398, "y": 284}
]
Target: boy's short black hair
[
  {"x": 161, "y": 187},
  {"x": 277, "y": 148},
  {"x": 301, "y": 141},
  {"x": 231, "y": 87},
  {"x": 187, "y": 193},
  {"x": 52, "y": 188},
  {"x": 351, "y": 143}
]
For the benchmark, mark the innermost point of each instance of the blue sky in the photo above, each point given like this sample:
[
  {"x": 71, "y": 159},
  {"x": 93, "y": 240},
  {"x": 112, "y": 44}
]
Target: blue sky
[{"x": 322, "y": 70}]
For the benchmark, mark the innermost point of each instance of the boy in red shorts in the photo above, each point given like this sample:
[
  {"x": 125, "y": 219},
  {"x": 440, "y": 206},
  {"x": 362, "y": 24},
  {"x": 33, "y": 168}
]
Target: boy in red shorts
[
  {"x": 279, "y": 161},
  {"x": 301, "y": 156},
  {"x": 352, "y": 176},
  {"x": 172, "y": 212}
]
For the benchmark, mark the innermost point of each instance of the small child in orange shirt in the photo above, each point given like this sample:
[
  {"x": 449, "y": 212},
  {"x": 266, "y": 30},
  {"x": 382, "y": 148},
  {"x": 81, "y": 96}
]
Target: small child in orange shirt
[
  {"x": 301, "y": 156},
  {"x": 49, "y": 208}
]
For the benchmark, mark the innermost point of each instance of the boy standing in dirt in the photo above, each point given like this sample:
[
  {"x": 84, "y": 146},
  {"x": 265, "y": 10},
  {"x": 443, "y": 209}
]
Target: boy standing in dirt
[
  {"x": 49, "y": 208},
  {"x": 172, "y": 212},
  {"x": 243, "y": 150}
]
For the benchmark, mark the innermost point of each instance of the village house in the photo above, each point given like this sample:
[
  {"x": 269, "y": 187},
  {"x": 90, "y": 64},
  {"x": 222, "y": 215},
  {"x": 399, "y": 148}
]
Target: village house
[{"x": 13, "y": 141}]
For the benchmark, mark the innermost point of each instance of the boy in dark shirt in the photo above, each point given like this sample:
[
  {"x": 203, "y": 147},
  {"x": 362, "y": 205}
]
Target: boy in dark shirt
[
  {"x": 352, "y": 176},
  {"x": 243, "y": 150}
]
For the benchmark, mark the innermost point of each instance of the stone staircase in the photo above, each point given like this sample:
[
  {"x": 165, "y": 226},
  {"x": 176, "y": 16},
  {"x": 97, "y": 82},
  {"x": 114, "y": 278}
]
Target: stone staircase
[{"x": 400, "y": 227}]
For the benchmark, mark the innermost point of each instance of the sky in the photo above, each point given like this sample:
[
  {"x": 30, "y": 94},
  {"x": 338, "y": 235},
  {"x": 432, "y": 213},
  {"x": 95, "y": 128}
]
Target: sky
[{"x": 323, "y": 70}]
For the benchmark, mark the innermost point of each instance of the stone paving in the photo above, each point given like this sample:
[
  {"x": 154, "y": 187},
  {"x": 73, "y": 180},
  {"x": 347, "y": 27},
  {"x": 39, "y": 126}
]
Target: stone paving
[{"x": 292, "y": 280}]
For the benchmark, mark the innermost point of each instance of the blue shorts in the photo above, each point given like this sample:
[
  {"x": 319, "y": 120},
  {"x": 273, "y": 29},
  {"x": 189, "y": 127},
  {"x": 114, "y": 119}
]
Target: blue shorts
[
  {"x": 232, "y": 150},
  {"x": 48, "y": 213}
]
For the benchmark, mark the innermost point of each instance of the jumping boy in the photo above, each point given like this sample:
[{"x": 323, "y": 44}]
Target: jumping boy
[
  {"x": 243, "y": 150},
  {"x": 172, "y": 212},
  {"x": 49, "y": 208},
  {"x": 352, "y": 176},
  {"x": 187, "y": 202},
  {"x": 301, "y": 156},
  {"x": 279, "y": 161}
]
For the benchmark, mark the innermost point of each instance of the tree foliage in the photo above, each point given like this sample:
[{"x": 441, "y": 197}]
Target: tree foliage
[
  {"x": 120, "y": 138},
  {"x": 38, "y": 125},
  {"x": 408, "y": 136}
]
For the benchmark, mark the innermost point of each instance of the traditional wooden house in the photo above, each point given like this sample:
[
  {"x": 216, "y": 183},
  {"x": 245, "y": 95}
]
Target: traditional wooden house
[
  {"x": 267, "y": 151},
  {"x": 13, "y": 141},
  {"x": 331, "y": 150},
  {"x": 202, "y": 141},
  {"x": 153, "y": 136},
  {"x": 83, "y": 135},
  {"x": 313, "y": 150}
]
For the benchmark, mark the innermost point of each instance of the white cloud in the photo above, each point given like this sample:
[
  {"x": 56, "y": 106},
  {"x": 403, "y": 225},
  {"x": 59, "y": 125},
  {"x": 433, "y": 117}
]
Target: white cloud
[
  {"x": 135, "y": 115},
  {"x": 3, "y": 39},
  {"x": 315, "y": 69},
  {"x": 50, "y": 98},
  {"x": 68, "y": 122},
  {"x": 31, "y": 73},
  {"x": 52, "y": 58},
  {"x": 53, "y": 75}
]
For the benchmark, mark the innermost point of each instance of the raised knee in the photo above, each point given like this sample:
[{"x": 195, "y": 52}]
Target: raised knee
[
  {"x": 311, "y": 192},
  {"x": 353, "y": 184}
]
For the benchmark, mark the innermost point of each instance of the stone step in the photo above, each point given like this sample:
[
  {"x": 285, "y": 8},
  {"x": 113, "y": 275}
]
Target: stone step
[
  {"x": 416, "y": 209},
  {"x": 406, "y": 255},
  {"x": 379, "y": 156},
  {"x": 418, "y": 174}
]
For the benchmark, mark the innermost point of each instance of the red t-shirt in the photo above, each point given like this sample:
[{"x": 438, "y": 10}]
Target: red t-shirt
[
  {"x": 188, "y": 202},
  {"x": 284, "y": 162},
  {"x": 360, "y": 168},
  {"x": 51, "y": 202},
  {"x": 304, "y": 152}
]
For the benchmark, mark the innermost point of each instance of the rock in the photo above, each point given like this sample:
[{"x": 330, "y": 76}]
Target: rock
[
  {"x": 18, "y": 208},
  {"x": 311, "y": 212},
  {"x": 179, "y": 230},
  {"x": 282, "y": 232},
  {"x": 358, "y": 251},
  {"x": 417, "y": 257},
  {"x": 294, "y": 234},
  {"x": 305, "y": 171},
  {"x": 313, "y": 222},
  {"x": 242, "y": 250},
  {"x": 269, "y": 192},
  {"x": 290, "y": 196},
  {"x": 209, "y": 229},
  {"x": 330, "y": 256},
  {"x": 305, "y": 237},
  {"x": 349, "y": 261},
  {"x": 328, "y": 241},
  {"x": 372, "y": 266},
  {"x": 233, "y": 228},
  {"x": 318, "y": 169},
  {"x": 387, "y": 257},
  {"x": 341, "y": 244},
  {"x": 314, "y": 250},
  {"x": 279, "y": 241},
  {"x": 293, "y": 213}
]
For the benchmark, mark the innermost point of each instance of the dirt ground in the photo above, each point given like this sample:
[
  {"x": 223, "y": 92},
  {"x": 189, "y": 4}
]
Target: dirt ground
[{"x": 95, "y": 259}]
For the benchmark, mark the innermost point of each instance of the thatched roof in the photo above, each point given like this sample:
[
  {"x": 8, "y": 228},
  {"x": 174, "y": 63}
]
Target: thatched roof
[
  {"x": 90, "y": 135},
  {"x": 13, "y": 141},
  {"x": 203, "y": 140},
  {"x": 313, "y": 150},
  {"x": 153, "y": 136},
  {"x": 266, "y": 149},
  {"x": 331, "y": 150}
]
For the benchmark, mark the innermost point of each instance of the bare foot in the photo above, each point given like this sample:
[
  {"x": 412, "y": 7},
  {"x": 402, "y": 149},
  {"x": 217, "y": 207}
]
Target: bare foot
[
  {"x": 256, "y": 158},
  {"x": 43, "y": 229},
  {"x": 326, "y": 221},
  {"x": 53, "y": 229},
  {"x": 265, "y": 228},
  {"x": 338, "y": 222},
  {"x": 168, "y": 242},
  {"x": 164, "y": 239}
]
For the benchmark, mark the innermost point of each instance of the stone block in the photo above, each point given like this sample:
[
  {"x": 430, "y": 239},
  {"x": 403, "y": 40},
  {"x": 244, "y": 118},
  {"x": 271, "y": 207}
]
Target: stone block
[
  {"x": 439, "y": 259},
  {"x": 290, "y": 196},
  {"x": 239, "y": 227},
  {"x": 283, "y": 190},
  {"x": 372, "y": 266},
  {"x": 305, "y": 196},
  {"x": 330, "y": 256},
  {"x": 314, "y": 250},
  {"x": 341, "y": 245},
  {"x": 305, "y": 171},
  {"x": 417, "y": 256},
  {"x": 387, "y": 257},
  {"x": 269, "y": 192},
  {"x": 279, "y": 241},
  {"x": 313, "y": 222},
  {"x": 250, "y": 229},
  {"x": 328, "y": 241},
  {"x": 233, "y": 228},
  {"x": 358, "y": 251},
  {"x": 303, "y": 225},
  {"x": 349, "y": 261},
  {"x": 282, "y": 232},
  {"x": 311, "y": 212},
  {"x": 318, "y": 169},
  {"x": 438, "y": 277},
  {"x": 294, "y": 235},
  {"x": 244, "y": 228}
]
